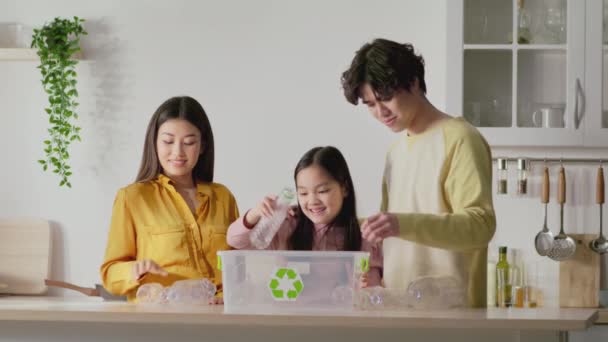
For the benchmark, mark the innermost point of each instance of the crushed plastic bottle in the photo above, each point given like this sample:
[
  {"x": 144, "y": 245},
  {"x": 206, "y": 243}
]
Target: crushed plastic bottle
[
  {"x": 149, "y": 293},
  {"x": 191, "y": 291},
  {"x": 342, "y": 295},
  {"x": 263, "y": 232},
  {"x": 376, "y": 297},
  {"x": 373, "y": 298},
  {"x": 428, "y": 292},
  {"x": 436, "y": 292},
  {"x": 198, "y": 291}
]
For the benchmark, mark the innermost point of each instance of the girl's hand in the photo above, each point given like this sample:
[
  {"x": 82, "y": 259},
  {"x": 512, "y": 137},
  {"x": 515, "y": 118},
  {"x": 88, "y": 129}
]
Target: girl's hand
[
  {"x": 264, "y": 209},
  {"x": 371, "y": 278},
  {"x": 293, "y": 212},
  {"x": 364, "y": 281},
  {"x": 140, "y": 268}
]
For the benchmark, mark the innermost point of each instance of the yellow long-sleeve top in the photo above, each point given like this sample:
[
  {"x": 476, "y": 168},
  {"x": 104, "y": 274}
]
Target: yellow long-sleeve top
[
  {"x": 151, "y": 220},
  {"x": 438, "y": 183}
]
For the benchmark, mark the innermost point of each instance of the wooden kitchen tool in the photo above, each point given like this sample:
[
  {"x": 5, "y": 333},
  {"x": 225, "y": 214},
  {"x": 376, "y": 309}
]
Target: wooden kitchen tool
[
  {"x": 97, "y": 291},
  {"x": 25, "y": 248},
  {"x": 579, "y": 276}
]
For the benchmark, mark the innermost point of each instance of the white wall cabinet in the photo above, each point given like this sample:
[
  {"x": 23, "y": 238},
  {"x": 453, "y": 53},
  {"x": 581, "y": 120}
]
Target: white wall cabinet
[{"x": 530, "y": 73}]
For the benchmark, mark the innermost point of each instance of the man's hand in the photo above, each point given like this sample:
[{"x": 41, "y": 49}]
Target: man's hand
[{"x": 380, "y": 226}]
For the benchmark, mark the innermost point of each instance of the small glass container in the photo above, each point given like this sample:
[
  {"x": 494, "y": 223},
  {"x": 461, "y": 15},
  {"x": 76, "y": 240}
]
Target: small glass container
[
  {"x": 522, "y": 176},
  {"x": 501, "y": 186},
  {"x": 523, "y": 24}
]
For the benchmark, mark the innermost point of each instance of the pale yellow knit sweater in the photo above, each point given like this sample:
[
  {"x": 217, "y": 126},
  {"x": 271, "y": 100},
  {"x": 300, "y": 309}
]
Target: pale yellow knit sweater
[{"x": 439, "y": 185}]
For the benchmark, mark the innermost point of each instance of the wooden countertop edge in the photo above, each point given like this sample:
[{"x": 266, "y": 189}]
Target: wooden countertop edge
[
  {"x": 215, "y": 319},
  {"x": 602, "y": 316}
]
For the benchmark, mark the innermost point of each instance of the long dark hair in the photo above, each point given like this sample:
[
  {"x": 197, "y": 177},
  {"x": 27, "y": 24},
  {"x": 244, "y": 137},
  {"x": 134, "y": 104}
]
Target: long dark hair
[
  {"x": 386, "y": 66},
  {"x": 186, "y": 108},
  {"x": 331, "y": 160}
]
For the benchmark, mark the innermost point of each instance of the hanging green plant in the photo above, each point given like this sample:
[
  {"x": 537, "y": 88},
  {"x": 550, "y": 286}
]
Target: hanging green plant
[{"x": 57, "y": 43}]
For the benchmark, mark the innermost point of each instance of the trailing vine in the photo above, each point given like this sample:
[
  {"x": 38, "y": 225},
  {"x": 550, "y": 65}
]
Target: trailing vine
[{"x": 57, "y": 43}]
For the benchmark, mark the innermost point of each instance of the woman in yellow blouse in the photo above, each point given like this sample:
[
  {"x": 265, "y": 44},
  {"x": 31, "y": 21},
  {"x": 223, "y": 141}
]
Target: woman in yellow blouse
[{"x": 169, "y": 224}]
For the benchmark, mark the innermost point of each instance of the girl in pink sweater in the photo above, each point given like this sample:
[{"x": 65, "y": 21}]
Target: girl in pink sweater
[{"x": 326, "y": 198}]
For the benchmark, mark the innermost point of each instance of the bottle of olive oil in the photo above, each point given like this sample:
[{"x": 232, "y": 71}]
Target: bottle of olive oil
[{"x": 503, "y": 279}]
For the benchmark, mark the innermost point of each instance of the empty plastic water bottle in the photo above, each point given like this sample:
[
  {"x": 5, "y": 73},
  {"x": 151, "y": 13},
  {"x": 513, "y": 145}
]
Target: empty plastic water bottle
[
  {"x": 149, "y": 293},
  {"x": 263, "y": 232},
  {"x": 436, "y": 292},
  {"x": 197, "y": 291},
  {"x": 342, "y": 295},
  {"x": 372, "y": 298}
]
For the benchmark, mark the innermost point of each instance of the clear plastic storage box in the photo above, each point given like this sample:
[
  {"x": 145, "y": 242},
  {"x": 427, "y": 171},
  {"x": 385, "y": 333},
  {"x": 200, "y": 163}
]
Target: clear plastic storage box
[{"x": 278, "y": 281}]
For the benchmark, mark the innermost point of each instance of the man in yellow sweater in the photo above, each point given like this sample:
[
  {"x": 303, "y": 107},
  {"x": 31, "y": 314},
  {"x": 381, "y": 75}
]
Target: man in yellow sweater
[{"x": 436, "y": 216}]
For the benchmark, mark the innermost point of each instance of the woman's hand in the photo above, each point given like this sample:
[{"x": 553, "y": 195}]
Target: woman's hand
[
  {"x": 140, "y": 268},
  {"x": 264, "y": 209}
]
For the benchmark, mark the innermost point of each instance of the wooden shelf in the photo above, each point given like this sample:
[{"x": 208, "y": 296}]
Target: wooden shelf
[
  {"x": 488, "y": 46},
  {"x": 18, "y": 54},
  {"x": 562, "y": 47},
  {"x": 555, "y": 47}
]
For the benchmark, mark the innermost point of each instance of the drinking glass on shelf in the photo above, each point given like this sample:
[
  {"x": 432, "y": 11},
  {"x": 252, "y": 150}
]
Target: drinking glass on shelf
[
  {"x": 477, "y": 27},
  {"x": 523, "y": 23},
  {"x": 555, "y": 21}
]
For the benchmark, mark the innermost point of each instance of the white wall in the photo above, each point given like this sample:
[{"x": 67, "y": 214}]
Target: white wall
[{"x": 267, "y": 72}]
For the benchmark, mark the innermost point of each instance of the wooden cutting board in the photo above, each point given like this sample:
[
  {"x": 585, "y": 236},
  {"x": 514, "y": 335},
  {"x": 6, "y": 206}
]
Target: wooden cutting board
[
  {"x": 25, "y": 249},
  {"x": 579, "y": 276}
]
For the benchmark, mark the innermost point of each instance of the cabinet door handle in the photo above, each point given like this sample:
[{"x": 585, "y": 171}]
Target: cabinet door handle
[{"x": 579, "y": 107}]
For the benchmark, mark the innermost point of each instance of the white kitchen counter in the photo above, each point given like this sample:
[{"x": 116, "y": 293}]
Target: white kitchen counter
[
  {"x": 96, "y": 310},
  {"x": 98, "y": 319}
]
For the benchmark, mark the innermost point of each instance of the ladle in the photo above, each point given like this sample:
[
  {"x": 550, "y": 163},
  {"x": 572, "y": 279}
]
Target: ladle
[
  {"x": 599, "y": 244},
  {"x": 544, "y": 239}
]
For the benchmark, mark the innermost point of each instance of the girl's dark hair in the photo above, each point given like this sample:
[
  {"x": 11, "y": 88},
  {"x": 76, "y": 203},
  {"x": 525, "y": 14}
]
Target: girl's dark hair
[
  {"x": 386, "y": 66},
  {"x": 331, "y": 160},
  {"x": 185, "y": 108}
]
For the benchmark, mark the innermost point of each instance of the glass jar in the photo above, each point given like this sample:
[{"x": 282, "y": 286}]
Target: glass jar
[
  {"x": 522, "y": 176},
  {"x": 501, "y": 174}
]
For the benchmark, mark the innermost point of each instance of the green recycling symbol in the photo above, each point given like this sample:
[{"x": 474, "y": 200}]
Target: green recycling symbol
[{"x": 285, "y": 284}]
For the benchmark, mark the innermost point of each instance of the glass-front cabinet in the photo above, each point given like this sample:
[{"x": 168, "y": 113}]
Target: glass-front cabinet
[
  {"x": 527, "y": 72},
  {"x": 596, "y": 130}
]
